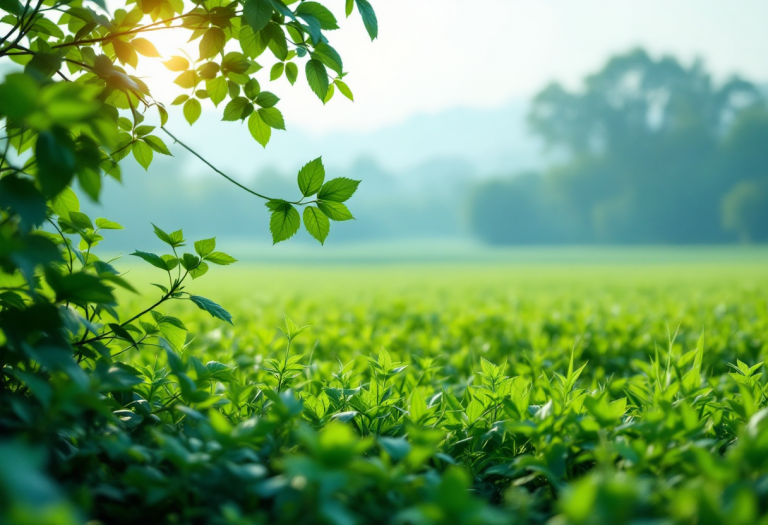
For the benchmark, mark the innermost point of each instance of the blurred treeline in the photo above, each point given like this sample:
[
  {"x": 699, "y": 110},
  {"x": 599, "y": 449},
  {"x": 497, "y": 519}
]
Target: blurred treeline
[{"x": 648, "y": 151}]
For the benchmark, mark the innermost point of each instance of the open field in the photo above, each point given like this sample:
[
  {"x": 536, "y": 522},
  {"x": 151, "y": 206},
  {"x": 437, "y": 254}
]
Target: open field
[{"x": 461, "y": 393}]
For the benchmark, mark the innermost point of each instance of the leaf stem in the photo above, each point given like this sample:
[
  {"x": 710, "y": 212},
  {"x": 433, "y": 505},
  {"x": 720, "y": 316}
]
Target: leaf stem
[{"x": 196, "y": 154}]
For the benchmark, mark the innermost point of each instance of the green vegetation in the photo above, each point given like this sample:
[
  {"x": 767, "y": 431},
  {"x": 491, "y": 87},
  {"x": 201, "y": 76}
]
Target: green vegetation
[
  {"x": 431, "y": 394},
  {"x": 647, "y": 151},
  {"x": 441, "y": 396}
]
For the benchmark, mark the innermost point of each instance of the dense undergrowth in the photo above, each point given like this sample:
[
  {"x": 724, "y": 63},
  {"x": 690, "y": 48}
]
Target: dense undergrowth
[{"x": 637, "y": 405}]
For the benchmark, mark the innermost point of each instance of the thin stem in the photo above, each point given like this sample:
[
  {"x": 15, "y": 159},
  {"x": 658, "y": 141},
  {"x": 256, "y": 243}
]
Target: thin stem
[
  {"x": 66, "y": 243},
  {"x": 196, "y": 154},
  {"x": 24, "y": 29},
  {"x": 17, "y": 24}
]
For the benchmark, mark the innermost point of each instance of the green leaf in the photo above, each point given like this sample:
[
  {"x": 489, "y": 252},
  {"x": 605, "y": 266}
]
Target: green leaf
[
  {"x": 317, "y": 76},
  {"x": 335, "y": 210},
  {"x": 220, "y": 258},
  {"x": 418, "y": 406},
  {"x": 235, "y": 109},
  {"x": 104, "y": 224},
  {"x": 171, "y": 261},
  {"x": 18, "y": 96},
  {"x": 252, "y": 89},
  {"x": 257, "y": 13},
  {"x": 79, "y": 288},
  {"x": 217, "y": 89},
  {"x": 344, "y": 89},
  {"x": 272, "y": 117},
  {"x": 276, "y": 40},
  {"x": 318, "y": 11},
  {"x": 350, "y": 4},
  {"x": 174, "y": 239},
  {"x": 259, "y": 129},
  {"x": 284, "y": 223},
  {"x": 177, "y": 63},
  {"x": 151, "y": 258},
  {"x": 143, "y": 130},
  {"x": 291, "y": 72},
  {"x": 189, "y": 261},
  {"x": 55, "y": 154},
  {"x": 369, "y": 18},
  {"x": 21, "y": 195},
  {"x": 212, "y": 43},
  {"x": 316, "y": 223},
  {"x": 80, "y": 220},
  {"x": 65, "y": 202},
  {"x": 311, "y": 177},
  {"x": 276, "y": 71},
  {"x": 328, "y": 56},
  {"x": 266, "y": 99},
  {"x": 192, "y": 110},
  {"x": 199, "y": 270},
  {"x": 205, "y": 246},
  {"x": 212, "y": 308},
  {"x": 145, "y": 47},
  {"x": 125, "y": 53},
  {"x": 235, "y": 62},
  {"x": 142, "y": 152},
  {"x": 157, "y": 144},
  {"x": 338, "y": 190},
  {"x": 252, "y": 44},
  {"x": 187, "y": 80}
]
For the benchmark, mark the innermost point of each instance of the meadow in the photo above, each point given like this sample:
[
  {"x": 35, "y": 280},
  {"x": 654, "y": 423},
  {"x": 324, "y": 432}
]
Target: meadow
[{"x": 449, "y": 393}]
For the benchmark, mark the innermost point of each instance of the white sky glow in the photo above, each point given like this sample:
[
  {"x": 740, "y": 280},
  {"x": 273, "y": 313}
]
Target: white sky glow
[{"x": 433, "y": 55}]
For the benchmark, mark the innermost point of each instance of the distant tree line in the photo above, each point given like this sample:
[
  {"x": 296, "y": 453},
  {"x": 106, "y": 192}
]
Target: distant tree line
[{"x": 649, "y": 151}]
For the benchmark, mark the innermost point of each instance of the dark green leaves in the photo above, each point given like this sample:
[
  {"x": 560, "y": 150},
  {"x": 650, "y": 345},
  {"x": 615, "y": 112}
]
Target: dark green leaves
[
  {"x": 257, "y": 13},
  {"x": 18, "y": 96},
  {"x": 311, "y": 177},
  {"x": 212, "y": 308},
  {"x": 266, "y": 99},
  {"x": 237, "y": 108},
  {"x": 285, "y": 220},
  {"x": 272, "y": 117},
  {"x": 79, "y": 288},
  {"x": 20, "y": 195},
  {"x": 328, "y": 56},
  {"x": 56, "y": 164},
  {"x": 318, "y": 12},
  {"x": 151, "y": 258},
  {"x": 317, "y": 76},
  {"x": 276, "y": 40},
  {"x": 369, "y": 18},
  {"x": 212, "y": 43},
  {"x": 338, "y": 190},
  {"x": 316, "y": 223}
]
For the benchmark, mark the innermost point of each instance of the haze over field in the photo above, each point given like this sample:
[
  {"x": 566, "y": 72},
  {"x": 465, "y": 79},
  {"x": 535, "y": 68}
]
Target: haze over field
[{"x": 423, "y": 135}]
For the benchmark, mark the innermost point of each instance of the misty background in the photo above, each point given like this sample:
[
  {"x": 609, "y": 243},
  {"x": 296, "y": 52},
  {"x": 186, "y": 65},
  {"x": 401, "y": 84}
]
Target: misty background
[{"x": 554, "y": 123}]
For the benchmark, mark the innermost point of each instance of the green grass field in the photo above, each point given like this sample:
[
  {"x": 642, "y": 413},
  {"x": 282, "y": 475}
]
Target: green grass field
[{"x": 464, "y": 393}]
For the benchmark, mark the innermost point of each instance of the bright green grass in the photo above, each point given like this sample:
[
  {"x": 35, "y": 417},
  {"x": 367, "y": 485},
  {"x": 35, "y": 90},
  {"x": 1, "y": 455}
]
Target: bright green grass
[{"x": 410, "y": 369}]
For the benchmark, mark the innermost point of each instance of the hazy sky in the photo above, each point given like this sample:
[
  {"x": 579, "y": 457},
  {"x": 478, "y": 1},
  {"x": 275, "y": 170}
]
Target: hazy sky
[{"x": 437, "y": 54}]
